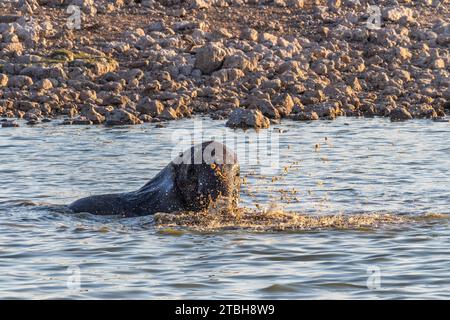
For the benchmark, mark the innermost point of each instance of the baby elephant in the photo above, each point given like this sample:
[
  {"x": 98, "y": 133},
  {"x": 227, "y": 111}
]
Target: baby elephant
[{"x": 202, "y": 175}]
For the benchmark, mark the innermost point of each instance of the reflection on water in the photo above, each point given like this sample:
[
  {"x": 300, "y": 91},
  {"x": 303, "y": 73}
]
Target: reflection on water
[{"x": 348, "y": 168}]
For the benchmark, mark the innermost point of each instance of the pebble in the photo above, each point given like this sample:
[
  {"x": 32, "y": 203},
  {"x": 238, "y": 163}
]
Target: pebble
[{"x": 282, "y": 60}]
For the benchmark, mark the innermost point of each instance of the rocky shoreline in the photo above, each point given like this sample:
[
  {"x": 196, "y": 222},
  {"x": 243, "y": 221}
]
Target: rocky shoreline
[{"x": 252, "y": 62}]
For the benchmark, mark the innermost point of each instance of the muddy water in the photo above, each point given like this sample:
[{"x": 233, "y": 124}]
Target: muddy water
[{"x": 347, "y": 167}]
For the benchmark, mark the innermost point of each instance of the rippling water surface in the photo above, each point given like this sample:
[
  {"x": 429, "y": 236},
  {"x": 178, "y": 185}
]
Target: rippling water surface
[{"x": 347, "y": 166}]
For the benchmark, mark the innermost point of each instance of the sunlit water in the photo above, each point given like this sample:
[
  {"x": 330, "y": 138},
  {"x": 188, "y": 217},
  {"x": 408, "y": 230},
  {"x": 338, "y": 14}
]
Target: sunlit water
[{"x": 348, "y": 166}]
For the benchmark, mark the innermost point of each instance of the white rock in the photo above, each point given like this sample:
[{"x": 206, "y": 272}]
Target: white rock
[
  {"x": 44, "y": 84},
  {"x": 3, "y": 80},
  {"x": 266, "y": 37},
  {"x": 396, "y": 13}
]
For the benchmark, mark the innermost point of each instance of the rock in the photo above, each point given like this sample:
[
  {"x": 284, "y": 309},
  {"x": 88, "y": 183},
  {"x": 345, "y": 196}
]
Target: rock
[
  {"x": 320, "y": 68},
  {"x": 91, "y": 114},
  {"x": 438, "y": 64},
  {"x": 81, "y": 121},
  {"x": 279, "y": 3},
  {"x": 121, "y": 117},
  {"x": 9, "y": 124},
  {"x": 423, "y": 111},
  {"x": 241, "y": 62},
  {"x": 274, "y": 84},
  {"x": 62, "y": 55},
  {"x": 404, "y": 53},
  {"x": 312, "y": 97},
  {"x": 210, "y": 58},
  {"x": 98, "y": 66},
  {"x": 6, "y": 104},
  {"x": 168, "y": 114},
  {"x": 400, "y": 114},
  {"x": 20, "y": 82},
  {"x": 10, "y": 37},
  {"x": 334, "y": 4},
  {"x": 52, "y": 3},
  {"x": 192, "y": 64},
  {"x": 187, "y": 25},
  {"x": 305, "y": 116},
  {"x": 265, "y": 106},
  {"x": 443, "y": 39},
  {"x": 249, "y": 34},
  {"x": 157, "y": 26},
  {"x": 44, "y": 84},
  {"x": 116, "y": 100},
  {"x": 145, "y": 118},
  {"x": 25, "y": 106},
  {"x": 87, "y": 6},
  {"x": 9, "y": 18},
  {"x": 32, "y": 116},
  {"x": 245, "y": 118},
  {"x": 32, "y": 122},
  {"x": 225, "y": 75},
  {"x": 325, "y": 110},
  {"x": 266, "y": 37},
  {"x": 67, "y": 122},
  {"x": 396, "y": 13},
  {"x": 368, "y": 110},
  {"x": 298, "y": 4},
  {"x": 88, "y": 95},
  {"x": 284, "y": 104},
  {"x": 39, "y": 72},
  {"x": 149, "y": 107},
  {"x": 144, "y": 42},
  {"x": 3, "y": 80},
  {"x": 198, "y": 4}
]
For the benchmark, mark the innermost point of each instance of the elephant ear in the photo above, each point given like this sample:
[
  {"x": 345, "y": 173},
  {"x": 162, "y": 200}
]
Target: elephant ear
[{"x": 187, "y": 180}]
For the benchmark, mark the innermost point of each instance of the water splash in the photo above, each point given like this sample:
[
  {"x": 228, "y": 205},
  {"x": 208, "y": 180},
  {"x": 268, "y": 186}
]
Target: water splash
[{"x": 275, "y": 220}]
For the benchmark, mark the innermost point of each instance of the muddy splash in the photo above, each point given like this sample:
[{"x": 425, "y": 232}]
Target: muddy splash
[{"x": 278, "y": 220}]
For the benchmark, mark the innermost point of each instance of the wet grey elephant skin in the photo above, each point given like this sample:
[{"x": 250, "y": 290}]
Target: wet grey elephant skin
[{"x": 197, "y": 178}]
